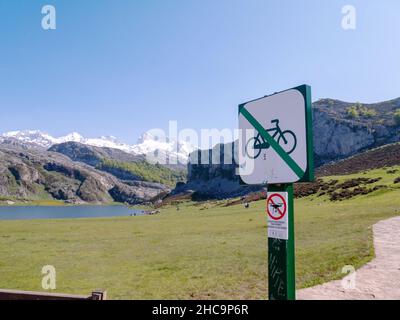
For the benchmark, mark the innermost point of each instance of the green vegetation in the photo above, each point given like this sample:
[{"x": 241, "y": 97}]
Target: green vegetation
[
  {"x": 45, "y": 203},
  {"x": 385, "y": 174},
  {"x": 204, "y": 250},
  {"x": 377, "y": 180},
  {"x": 19, "y": 202},
  {"x": 352, "y": 112},
  {"x": 38, "y": 198},
  {"x": 396, "y": 116},
  {"x": 357, "y": 110},
  {"x": 145, "y": 171}
]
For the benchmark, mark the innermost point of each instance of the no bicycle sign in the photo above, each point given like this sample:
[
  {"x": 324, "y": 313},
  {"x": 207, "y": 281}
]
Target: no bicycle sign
[
  {"x": 277, "y": 209},
  {"x": 276, "y": 149},
  {"x": 275, "y": 143}
]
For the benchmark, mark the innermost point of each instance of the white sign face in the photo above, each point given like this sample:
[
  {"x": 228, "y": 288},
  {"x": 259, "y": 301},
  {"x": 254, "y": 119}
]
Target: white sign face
[
  {"x": 273, "y": 139},
  {"x": 278, "y": 212}
]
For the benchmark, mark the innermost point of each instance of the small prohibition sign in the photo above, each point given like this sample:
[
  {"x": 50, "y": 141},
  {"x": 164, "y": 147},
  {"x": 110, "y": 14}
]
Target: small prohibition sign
[{"x": 276, "y": 206}]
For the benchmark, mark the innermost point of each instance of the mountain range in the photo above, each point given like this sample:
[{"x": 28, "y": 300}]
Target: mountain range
[
  {"x": 72, "y": 168},
  {"x": 147, "y": 144},
  {"x": 77, "y": 173}
]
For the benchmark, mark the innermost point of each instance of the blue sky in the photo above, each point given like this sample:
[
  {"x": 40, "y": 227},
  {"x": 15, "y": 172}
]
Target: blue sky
[{"x": 122, "y": 67}]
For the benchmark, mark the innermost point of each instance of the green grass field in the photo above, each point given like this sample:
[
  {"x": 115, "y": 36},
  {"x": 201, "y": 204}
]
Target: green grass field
[{"x": 203, "y": 250}]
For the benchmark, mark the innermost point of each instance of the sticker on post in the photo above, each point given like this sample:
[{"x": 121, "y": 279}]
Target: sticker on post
[{"x": 277, "y": 210}]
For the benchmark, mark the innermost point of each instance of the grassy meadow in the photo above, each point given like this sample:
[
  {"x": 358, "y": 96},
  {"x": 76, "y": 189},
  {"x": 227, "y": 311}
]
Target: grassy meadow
[{"x": 203, "y": 250}]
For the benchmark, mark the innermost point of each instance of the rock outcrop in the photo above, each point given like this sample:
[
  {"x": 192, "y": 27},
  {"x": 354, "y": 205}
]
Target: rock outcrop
[
  {"x": 213, "y": 180},
  {"x": 343, "y": 129}
]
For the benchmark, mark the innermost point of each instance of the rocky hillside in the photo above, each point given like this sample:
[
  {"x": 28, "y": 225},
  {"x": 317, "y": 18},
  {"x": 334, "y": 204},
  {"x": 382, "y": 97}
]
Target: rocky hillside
[
  {"x": 92, "y": 155},
  {"x": 213, "y": 181},
  {"x": 29, "y": 174},
  {"x": 123, "y": 165},
  {"x": 341, "y": 130}
]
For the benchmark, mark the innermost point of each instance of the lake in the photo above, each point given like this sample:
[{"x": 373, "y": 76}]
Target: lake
[{"x": 65, "y": 212}]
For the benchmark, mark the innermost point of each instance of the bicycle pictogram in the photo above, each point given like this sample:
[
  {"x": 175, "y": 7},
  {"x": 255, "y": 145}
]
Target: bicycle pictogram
[{"x": 286, "y": 139}]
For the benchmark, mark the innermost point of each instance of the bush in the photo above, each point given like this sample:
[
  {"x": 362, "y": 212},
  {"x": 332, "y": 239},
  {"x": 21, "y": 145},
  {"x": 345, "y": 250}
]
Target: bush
[
  {"x": 358, "y": 110},
  {"x": 397, "y": 117},
  {"x": 369, "y": 113},
  {"x": 352, "y": 112}
]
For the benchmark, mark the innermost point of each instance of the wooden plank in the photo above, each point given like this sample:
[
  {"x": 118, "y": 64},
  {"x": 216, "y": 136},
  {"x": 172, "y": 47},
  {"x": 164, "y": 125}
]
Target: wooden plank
[{"x": 34, "y": 295}]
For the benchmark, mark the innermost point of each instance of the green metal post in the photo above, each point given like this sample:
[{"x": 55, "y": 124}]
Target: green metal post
[{"x": 281, "y": 255}]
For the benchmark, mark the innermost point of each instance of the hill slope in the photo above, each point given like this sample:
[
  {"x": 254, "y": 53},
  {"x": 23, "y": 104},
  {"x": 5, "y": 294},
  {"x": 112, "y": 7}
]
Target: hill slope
[
  {"x": 220, "y": 181},
  {"x": 385, "y": 156},
  {"x": 121, "y": 164},
  {"x": 93, "y": 155},
  {"x": 36, "y": 175},
  {"x": 340, "y": 130},
  {"x": 202, "y": 251}
]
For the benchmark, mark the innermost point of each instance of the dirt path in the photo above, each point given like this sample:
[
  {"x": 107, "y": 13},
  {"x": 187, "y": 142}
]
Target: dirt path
[{"x": 378, "y": 279}]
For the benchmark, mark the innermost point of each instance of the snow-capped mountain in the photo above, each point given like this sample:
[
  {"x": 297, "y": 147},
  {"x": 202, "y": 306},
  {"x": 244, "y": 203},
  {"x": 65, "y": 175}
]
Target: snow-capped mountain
[
  {"x": 146, "y": 145},
  {"x": 34, "y": 137},
  {"x": 177, "y": 151}
]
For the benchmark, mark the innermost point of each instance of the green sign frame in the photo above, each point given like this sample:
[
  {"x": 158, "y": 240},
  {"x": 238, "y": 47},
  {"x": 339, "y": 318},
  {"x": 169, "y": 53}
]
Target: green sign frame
[{"x": 308, "y": 174}]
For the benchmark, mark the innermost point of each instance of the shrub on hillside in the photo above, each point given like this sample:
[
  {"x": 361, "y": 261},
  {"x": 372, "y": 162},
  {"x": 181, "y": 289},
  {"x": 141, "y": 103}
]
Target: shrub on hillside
[
  {"x": 352, "y": 112},
  {"x": 357, "y": 110},
  {"x": 369, "y": 113},
  {"x": 396, "y": 116}
]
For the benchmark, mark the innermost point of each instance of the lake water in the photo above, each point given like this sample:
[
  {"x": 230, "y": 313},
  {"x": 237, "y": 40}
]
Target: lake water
[{"x": 65, "y": 212}]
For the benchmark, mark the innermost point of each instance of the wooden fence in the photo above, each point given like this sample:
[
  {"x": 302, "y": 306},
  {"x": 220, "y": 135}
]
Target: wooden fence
[{"x": 32, "y": 295}]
